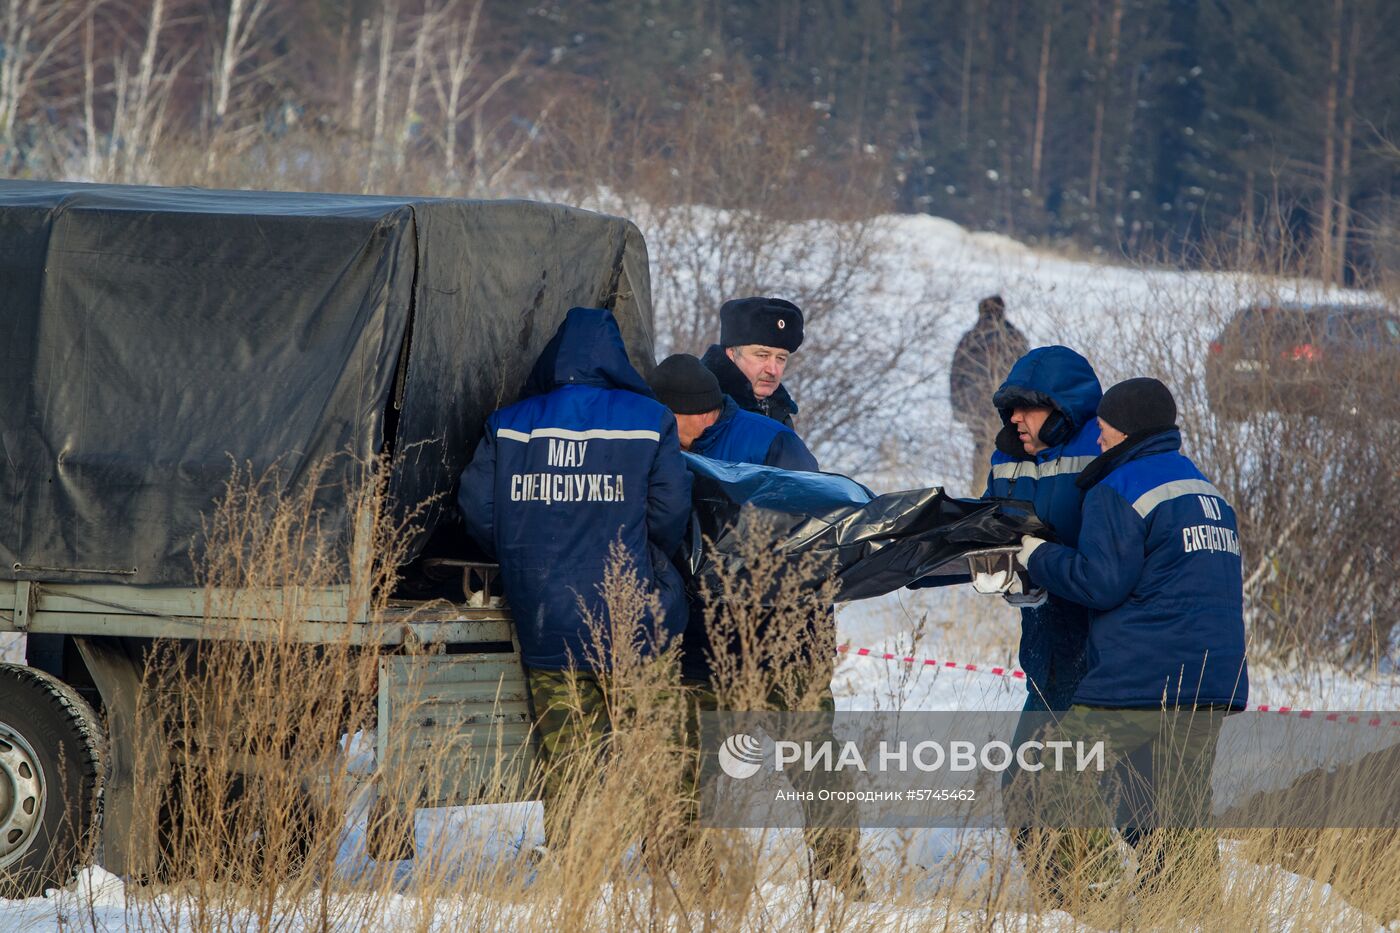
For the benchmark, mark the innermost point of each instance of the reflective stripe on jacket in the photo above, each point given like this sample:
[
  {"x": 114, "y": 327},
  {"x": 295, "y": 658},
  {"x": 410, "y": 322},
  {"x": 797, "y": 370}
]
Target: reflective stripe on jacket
[{"x": 587, "y": 459}]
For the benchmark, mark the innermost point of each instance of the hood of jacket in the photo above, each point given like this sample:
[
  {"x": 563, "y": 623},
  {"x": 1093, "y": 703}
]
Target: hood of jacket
[
  {"x": 587, "y": 349},
  {"x": 1054, "y": 376},
  {"x": 733, "y": 383}
]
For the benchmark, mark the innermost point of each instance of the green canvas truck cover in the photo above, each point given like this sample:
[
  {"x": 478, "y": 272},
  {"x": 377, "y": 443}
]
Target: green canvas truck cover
[{"x": 154, "y": 337}]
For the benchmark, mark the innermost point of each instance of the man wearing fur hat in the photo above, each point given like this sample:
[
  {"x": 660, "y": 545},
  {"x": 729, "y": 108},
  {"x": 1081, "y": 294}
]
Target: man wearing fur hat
[
  {"x": 713, "y": 425},
  {"x": 756, "y": 337}
]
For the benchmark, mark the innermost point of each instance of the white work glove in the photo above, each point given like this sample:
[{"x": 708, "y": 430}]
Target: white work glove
[
  {"x": 993, "y": 583},
  {"x": 1028, "y": 545}
]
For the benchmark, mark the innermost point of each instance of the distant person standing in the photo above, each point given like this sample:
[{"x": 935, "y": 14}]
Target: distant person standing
[
  {"x": 756, "y": 337},
  {"x": 984, "y": 355}
]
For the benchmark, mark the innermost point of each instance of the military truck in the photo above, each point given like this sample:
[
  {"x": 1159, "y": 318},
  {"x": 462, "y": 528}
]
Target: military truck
[{"x": 156, "y": 336}]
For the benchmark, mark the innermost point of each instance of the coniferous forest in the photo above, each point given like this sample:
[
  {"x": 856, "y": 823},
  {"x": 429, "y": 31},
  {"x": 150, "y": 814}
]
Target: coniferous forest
[{"x": 1142, "y": 127}]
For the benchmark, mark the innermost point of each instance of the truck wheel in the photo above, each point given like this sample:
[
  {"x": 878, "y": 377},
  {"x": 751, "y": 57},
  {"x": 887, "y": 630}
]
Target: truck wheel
[{"x": 51, "y": 759}]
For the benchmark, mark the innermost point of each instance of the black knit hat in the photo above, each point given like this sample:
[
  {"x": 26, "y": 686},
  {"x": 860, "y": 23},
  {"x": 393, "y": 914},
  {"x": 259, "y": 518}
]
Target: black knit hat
[
  {"x": 769, "y": 322},
  {"x": 683, "y": 384},
  {"x": 1139, "y": 406}
]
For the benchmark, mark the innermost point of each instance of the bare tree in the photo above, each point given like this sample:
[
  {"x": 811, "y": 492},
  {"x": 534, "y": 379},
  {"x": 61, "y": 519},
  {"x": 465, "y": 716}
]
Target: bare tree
[
  {"x": 1041, "y": 98},
  {"x": 459, "y": 61},
  {"x": 357, "y": 86},
  {"x": 1348, "y": 131},
  {"x": 1329, "y": 142},
  {"x": 460, "y": 98},
  {"x": 241, "y": 45},
  {"x": 428, "y": 24},
  {"x": 140, "y": 101},
  {"x": 89, "y": 107},
  {"x": 1106, "y": 73},
  {"x": 723, "y": 193},
  {"x": 388, "y": 28},
  {"x": 31, "y": 32}
]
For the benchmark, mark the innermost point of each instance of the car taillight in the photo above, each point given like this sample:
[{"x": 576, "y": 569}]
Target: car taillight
[
  {"x": 1304, "y": 351},
  {"x": 1216, "y": 348}
]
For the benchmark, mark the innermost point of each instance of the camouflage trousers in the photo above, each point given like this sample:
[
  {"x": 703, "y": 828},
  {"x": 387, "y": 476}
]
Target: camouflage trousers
[
  {"x": 1157, "y": 797},
  {"x": 835, "y": 849},
  {"x": 571, "y": 728}
]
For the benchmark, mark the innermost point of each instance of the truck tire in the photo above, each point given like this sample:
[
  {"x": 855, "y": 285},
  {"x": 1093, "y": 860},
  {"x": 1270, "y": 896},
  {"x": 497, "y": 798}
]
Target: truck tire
[{"x": 52, "y": 752}]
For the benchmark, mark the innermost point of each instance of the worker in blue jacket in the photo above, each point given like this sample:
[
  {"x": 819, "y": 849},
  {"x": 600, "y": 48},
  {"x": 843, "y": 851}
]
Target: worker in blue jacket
[
  {"x": 1158, "y": 565},
  {"x": 586, "y": 459},
  {"x": 1047, "y": 405},
  {"x": 712, "y": 425}
]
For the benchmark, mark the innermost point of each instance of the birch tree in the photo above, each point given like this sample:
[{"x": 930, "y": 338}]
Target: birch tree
[
  {"x": 31, "y": 32},
  {"x": 240, "y": 45},
  {"x": 463, "y": 90},
  {"x": 140, "y": 101}
]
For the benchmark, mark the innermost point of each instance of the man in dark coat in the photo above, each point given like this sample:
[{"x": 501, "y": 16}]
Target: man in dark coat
[
  {"x": 587, "y": 458},
  {"x": 712, "y": 425},
  {"x": 985, "y": 352},
  {"x": 756, "y": 336}
]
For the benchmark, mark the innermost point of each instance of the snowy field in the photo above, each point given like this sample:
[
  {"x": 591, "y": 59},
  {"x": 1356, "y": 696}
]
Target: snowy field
[{"x": 1053, "y": 300}]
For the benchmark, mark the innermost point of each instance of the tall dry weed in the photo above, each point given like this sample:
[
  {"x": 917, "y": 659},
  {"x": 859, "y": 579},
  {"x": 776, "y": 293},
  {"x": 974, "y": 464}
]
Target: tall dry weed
[{"x": 252, "y": 799}]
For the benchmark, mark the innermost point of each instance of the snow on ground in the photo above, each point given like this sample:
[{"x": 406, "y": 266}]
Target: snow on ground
[
  {"x": 1098, "y": 309},
  {"x": 1053, "y": 300}
]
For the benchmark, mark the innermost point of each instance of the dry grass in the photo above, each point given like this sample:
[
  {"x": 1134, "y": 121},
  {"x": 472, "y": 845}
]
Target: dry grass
[{"x": 229, "y": 846}]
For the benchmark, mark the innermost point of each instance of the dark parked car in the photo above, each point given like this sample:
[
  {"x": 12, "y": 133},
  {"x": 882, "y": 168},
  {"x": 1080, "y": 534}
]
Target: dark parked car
[{"x": 1307, "y": 359}]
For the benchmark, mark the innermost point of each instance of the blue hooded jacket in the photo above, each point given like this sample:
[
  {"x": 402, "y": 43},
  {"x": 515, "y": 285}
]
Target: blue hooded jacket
[
  {"x": 1053, "y": 636},
  {"x": 587, "y": 458},
  {"x": 1158, "y": 565},
  {"x": 744, "y": 437}
]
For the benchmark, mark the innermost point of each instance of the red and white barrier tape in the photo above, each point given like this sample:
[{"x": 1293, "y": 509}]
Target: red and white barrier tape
[{"x": 1011, "y": 673}]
